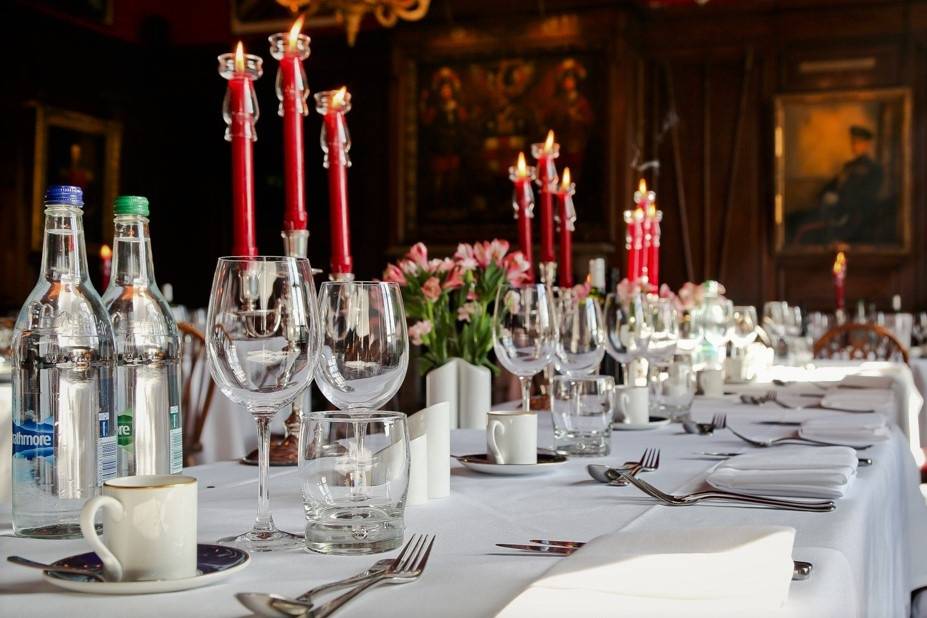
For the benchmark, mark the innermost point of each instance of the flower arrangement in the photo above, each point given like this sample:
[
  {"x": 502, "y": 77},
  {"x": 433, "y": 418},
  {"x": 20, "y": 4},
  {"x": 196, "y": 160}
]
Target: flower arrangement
[
  {"x": 448, "y": 300},
  {"x": 689, "y": 297}
]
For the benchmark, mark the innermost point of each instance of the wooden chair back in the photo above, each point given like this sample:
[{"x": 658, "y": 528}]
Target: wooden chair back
[
  {"x": 198, "y": 389},
  {"x": 860, "y": 341}
]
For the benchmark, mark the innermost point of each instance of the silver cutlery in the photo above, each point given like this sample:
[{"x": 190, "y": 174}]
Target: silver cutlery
[
  {"x": 48, "y": 568},
  {"x": 407, "y": 567},
  {"x": 792, "y": 440},
  {"x": 645, "y": 464},
  {"x": 784, "y": 383},
  {"x": 774, "y": 397},
  {"x": 651, "y": 462},
  {"x": 815, "y": 506},
  {"x": 718, "y": 421},
  {"x": 275, "y": 605},
  {"x": 863, "y": 461},
  {"x": 801, "y": 570}
]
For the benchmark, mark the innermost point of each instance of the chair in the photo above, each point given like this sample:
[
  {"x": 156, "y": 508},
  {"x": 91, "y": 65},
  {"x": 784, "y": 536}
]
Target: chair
[
  {"x": 860, "y": 341},
  {"x": 198, "y": 388}
]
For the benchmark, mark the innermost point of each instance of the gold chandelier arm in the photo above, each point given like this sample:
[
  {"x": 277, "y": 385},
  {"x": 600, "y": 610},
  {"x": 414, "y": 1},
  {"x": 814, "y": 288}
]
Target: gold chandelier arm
[{"x": 390, "y": 11}]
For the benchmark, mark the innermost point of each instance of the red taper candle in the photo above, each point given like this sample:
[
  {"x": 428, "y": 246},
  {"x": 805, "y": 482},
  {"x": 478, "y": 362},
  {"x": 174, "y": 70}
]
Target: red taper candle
[
  {"x": 291, "y": 49},
  {"x": 566, "y": 220},
  {"x": 633, "y": 242},
  {"x": 547, "y": 182},
  {"x": 653, "y": 262},
  {"x": 522, "y": 176},
  {"x": 240, "y": 112},
  {"x": 336, "y": 143}
]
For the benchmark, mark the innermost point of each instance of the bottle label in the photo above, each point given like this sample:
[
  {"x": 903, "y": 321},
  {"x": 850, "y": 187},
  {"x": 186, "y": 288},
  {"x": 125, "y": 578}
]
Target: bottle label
[
  {"x": 124, "y": 428},
  {"x": 176, "y": 441},
  {"x": 106, "y": 459},
  {"x": 31, "y": 439}
]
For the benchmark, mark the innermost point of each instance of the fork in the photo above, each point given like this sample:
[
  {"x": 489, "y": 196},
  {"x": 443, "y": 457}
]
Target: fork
[
  {"x": 816, "y": 506},
  {"x": 600, "y": 472},
  {"x": 408, "y": 566},
  {"x": 792, "y": 440},
  {"x": 649, "y": 462}
]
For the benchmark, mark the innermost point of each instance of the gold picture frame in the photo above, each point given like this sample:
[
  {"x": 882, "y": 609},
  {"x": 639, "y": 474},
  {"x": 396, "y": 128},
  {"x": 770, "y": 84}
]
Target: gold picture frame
[
  {"x": 75, "y": 148},
  {"x": 843, "y": 172}
]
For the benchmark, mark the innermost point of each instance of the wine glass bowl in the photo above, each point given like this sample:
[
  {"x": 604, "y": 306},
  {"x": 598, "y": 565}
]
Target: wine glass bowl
[
  {"x": 524, "y": 332},
  {"x": 365, "y": 344},
  {"x": 745, "y": 323},
  {"x": 262, "y": 344},
  {"x": 580, "y": 337}
]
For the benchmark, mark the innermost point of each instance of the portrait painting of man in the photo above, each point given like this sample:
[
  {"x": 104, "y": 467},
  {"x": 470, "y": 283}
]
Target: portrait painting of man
[{"x": 842, "y": 170}]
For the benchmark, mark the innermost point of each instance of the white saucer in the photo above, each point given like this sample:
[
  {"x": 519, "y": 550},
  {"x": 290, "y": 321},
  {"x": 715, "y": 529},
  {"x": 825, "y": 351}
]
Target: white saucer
[
  {"x": 547, "y": 461},
  {"x": 655, "y": 422},
  {"x": 213, "y": 563}
]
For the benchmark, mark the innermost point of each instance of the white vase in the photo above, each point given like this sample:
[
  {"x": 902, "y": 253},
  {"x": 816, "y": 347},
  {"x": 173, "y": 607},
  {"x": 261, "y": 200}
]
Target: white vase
[{"x": 466, "y": 387}]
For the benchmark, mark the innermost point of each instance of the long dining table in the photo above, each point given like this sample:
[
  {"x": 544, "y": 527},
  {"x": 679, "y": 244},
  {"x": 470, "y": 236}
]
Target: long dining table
[{"x": 869, "y": 554}]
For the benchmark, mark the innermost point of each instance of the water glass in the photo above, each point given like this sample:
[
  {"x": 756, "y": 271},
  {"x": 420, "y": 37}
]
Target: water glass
[
  {"x": 582, "y": 414},
  {"x": 744, "y": 331},
  {"x": 354, "y": 470},
  {"x": 524, "y": 333},
  {"x": 626, "y": 331},
  {"x": 581, "y": 335},
  {"x": 664, "y": 330},
  {"x": 673, "y": 388}
]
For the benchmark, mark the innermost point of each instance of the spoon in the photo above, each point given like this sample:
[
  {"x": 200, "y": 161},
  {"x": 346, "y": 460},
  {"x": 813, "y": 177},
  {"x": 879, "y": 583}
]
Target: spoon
[
  {"x": 49, "y": 568},
  {"x": 701, "y": 429},
  {"x": 278, "y": 606}
]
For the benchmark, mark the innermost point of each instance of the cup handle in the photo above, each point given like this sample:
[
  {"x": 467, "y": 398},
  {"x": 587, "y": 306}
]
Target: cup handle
[
  {"x": 112, "y": 569},
  {"x": 493, "y": 447}
]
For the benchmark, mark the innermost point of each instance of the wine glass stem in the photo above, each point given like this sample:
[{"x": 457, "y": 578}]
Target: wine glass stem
[
  {"x": 525, "y": 393},
  {"x": 264, "y": 521}
]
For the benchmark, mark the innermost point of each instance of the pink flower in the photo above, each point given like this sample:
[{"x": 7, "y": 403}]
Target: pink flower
[
  {"x": 393, "y": 274},
  {"x": 431, "y": 288},
  {"x": 434, "y": 265},
  {"x": 418, "y": 253},
  {"x": 446, "y": 265},
  {"x": 419, "y": 330},
  {"x": 689, "y": 295},
  {"x": 497, "y": 250},
  {"x": 408, "y": 267},
  {"x": 466, "y": 310},
  {"x": 482, "y": 253},
  {"x": 464, "y": 256},
  {"x": 516, "y": 268},
  {"x": 454, "y": 280},
  {"x": 581, "y": 291}
]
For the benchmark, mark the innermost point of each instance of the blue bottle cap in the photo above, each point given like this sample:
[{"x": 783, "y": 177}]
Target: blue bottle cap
[{"x": 64, "y": 194}]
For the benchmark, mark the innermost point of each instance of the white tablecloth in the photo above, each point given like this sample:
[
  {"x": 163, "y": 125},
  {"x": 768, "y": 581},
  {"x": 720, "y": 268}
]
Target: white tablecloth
[{"x": 868, "y": 554}]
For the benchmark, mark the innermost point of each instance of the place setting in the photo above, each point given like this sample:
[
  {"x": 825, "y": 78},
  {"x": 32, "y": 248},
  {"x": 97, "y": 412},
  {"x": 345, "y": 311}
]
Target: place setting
[{"x": 380, "y": 307}]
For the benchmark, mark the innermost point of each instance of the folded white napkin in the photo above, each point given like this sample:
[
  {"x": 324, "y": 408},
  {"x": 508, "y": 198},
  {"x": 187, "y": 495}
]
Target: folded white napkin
[
  {"x": 432, "y": 464},
  {"x": 702, "y": 571},
  {"x": 796, "y": 471},
  {"x": 860, "y": 400},
  {"x": 863, "y": 382},
  {"x": 852, "y": 430}
]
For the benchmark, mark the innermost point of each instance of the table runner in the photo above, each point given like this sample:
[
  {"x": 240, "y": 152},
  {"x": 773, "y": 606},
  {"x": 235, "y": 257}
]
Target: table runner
[{"x": 868, "y": 554}]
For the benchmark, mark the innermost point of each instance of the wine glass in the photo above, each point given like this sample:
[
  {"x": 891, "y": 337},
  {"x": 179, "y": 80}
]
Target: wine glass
[
  {"x": 580, "y": 338},
  {"x": 664, "y": 330},
  {"x": 744, "y": 331},
  {"x": 365, "y": 343},
  {"x": 717, "y": 320},
  {"x": 262, "y": 342},
  {"x": 625, "y": 329},
  {"x": 524, "y": 332}
]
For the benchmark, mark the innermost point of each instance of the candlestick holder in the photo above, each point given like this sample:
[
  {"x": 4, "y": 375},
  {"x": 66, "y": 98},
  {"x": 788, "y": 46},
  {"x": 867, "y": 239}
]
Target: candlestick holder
[
  {"x": 242, "y": 113},
  {"x": 295, "y": 243},
  {"x": 284, "y": 46},
  {"x": 343, "y": 277},
  {"x": 333, "y": 105}
]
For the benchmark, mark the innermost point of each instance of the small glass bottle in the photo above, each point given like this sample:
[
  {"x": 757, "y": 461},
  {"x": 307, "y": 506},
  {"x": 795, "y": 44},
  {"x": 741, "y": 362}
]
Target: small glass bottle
[
  {"x": 147, "y": 341},
  {"x": 64, "y": 443}
]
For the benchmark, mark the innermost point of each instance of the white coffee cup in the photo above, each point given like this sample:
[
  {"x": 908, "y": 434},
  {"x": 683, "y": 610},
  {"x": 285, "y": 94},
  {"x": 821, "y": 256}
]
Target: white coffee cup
[
  {"x": 149, "y": 527},
  {"x": 634, "y": 402},
  {"x": 512, "y": 437},
  {"x": 711, "y": 382}
]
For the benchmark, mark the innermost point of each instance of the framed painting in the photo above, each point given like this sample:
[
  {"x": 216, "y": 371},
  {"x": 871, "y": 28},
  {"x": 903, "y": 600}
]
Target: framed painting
[
  {"x": 76, "y": 149},
  {"x": 254, "y": 16},
  {"x": 843, "y": 171},
  {"x": 470, "y": 101}
]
